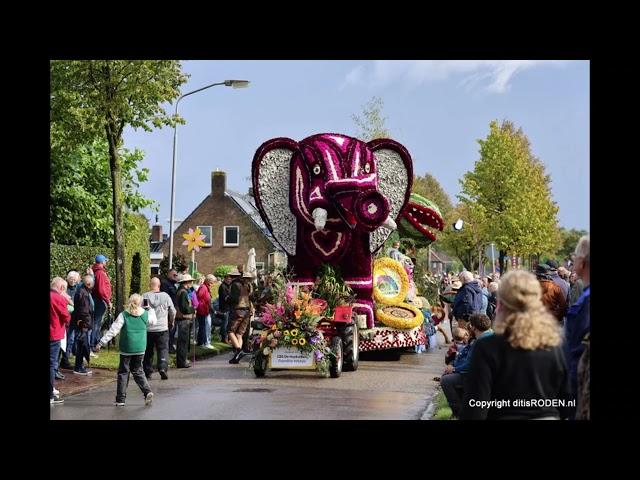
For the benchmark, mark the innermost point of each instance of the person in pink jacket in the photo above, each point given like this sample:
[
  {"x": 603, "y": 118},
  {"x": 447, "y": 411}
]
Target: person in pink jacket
[
  {"x": 59, "y": 317},
  {"x": 202, "y": 312}
]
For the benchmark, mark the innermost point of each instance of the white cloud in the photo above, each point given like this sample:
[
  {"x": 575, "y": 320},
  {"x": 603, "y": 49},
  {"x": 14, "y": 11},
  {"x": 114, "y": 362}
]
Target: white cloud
[{"x": 492, "y": 75}]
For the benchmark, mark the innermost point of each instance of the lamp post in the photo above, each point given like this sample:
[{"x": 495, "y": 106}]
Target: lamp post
[{"x": 226, "y": 83}]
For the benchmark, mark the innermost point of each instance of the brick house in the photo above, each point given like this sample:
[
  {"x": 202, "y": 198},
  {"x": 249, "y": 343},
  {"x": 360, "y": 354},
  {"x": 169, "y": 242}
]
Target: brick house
[{"x": 232, "y": 226}]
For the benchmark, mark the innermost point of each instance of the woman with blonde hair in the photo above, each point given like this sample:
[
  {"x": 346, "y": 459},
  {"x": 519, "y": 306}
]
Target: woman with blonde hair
[
  {"x": 132, "y": 323},
  {"x": 520, "y": 372}
]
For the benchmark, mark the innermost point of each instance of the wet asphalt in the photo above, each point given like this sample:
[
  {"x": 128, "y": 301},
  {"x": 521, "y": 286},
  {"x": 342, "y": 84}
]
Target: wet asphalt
[{"x": 385, "y": 387}]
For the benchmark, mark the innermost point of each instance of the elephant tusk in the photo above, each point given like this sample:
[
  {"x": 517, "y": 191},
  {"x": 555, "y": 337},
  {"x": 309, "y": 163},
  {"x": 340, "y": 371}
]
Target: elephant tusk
[
  {"x": 389, "y": 223},
  {"x": 319, "y": 218}
]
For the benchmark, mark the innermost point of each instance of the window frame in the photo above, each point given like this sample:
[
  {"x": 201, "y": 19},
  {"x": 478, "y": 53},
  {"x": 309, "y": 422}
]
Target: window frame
[
  {"x": 224, "y": 236},
  {"x": 210, "y": 236}
]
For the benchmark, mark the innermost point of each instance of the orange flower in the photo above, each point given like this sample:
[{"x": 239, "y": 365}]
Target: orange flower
[{"x": 297, "y": 314}]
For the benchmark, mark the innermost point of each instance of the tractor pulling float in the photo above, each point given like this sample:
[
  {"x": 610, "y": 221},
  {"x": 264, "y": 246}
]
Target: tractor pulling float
[{"x": 331, "y": 201}]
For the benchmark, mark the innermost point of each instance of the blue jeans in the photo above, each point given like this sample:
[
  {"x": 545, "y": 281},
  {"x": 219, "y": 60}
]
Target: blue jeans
[
  {"x": 203, "y": 326},
  {"x": 98, "y": 316},
  {"x": 54, "y": 351},
  {"x": 207, "y": 325},
  {"x": 71, "y": 336}
]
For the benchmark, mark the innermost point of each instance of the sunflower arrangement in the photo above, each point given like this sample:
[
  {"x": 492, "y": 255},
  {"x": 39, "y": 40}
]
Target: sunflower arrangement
[{"x": 292, "y": 322}]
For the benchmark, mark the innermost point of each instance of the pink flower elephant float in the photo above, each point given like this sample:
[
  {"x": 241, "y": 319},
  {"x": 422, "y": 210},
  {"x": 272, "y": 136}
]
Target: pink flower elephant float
[{"x": 332, "y": 199}]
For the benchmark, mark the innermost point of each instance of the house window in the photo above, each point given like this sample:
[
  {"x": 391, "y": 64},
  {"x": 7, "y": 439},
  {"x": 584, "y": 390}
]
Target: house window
[
  {"x": 231, "y": 236},
  {"x": 207, "y": 231},
  {"x": 260, "y": 266}
]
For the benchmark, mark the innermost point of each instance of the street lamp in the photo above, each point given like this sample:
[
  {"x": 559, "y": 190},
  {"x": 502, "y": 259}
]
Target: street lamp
[{"x": 226, "y": 83}]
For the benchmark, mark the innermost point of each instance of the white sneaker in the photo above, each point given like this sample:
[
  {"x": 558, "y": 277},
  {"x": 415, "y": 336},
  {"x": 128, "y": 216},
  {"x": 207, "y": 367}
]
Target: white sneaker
[
  {"x": 148, "y": 398},
  {"x": 56, "y": 392},
  {"x": 119, "y": 404},
  {"x": 93, "y": 355},
  {"x": 208, "y": 346}
]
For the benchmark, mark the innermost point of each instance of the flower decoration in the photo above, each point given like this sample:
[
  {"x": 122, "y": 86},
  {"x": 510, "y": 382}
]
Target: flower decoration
[
  {"x": 291, "y": 321},
  {"x": 194, "y": 239}
]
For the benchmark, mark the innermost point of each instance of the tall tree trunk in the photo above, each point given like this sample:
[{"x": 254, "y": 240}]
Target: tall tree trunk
[
  {"x": 501, "y": 256},
  {"x": 118, "y": 223}
]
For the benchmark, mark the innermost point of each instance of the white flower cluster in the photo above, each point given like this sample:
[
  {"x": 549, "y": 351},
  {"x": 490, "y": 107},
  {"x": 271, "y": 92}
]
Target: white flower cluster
[
  {"x": 273, "y": 182},
  {"x": 393, "y": 179}
]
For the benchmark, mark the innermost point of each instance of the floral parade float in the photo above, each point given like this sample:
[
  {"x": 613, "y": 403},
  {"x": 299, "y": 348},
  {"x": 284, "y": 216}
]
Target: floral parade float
[{"x": 333, "y": 200}]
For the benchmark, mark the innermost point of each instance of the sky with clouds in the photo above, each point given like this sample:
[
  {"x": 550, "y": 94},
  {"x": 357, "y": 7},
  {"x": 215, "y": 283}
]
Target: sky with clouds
[{"x": 436, "y": 109}]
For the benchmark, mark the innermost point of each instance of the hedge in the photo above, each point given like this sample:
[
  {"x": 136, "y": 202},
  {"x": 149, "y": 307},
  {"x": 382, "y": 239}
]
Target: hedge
[{"x": 73, "y": 257}]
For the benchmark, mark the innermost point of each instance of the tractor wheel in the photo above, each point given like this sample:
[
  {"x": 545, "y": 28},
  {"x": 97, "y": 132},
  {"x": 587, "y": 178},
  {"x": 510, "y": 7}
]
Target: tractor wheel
[
  {"x": 350, "y": 344},
  {"x": 260, "y": 365},
  {"x": 335, "y": 369}
]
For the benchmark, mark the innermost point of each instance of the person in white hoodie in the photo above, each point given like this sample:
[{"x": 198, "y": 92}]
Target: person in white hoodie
[{"x": 158, "y": 334}]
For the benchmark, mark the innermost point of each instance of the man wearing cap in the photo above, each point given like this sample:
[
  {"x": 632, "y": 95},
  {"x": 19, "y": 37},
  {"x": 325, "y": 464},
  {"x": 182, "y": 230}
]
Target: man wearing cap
[
  {"x": 240, "y": 311},
  {"x": 552, "y": 295},
  {"x": 101, "y": 296},
  {"x": 184, "y": 318}
]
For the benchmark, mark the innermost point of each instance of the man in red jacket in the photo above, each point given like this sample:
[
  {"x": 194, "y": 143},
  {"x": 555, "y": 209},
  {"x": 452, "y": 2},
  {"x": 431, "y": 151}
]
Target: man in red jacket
[
  {"x": 202, "y": 312},
  {"x": 101, "y": 296},
  {"x": 59, "y": 318}
]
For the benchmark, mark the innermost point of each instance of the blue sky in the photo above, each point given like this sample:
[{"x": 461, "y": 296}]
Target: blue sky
[{"x": 436, "y": 109}]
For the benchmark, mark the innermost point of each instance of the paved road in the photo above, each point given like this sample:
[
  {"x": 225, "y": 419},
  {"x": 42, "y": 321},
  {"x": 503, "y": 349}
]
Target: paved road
[{"x": 382, "y": 388}]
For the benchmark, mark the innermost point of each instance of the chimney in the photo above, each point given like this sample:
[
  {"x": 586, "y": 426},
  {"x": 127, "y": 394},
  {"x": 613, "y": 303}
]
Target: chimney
[
  {"x": 156, "y": 233},
  {"x": 218, "y": 184}
]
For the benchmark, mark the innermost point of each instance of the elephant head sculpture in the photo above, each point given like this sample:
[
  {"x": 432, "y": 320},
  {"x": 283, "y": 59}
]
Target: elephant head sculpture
[{"x": 331, "y": 198}]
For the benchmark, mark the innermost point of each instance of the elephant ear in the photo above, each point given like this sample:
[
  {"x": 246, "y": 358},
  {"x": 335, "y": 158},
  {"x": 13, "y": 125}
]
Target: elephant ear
[
  {"x": 271, "y": 178},
  {"x": 395, "y": 179}
]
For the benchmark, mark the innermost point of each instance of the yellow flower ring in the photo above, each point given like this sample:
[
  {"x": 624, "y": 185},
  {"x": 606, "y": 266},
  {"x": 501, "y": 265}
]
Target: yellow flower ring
[
  {"x": 390, "y": 281},
  {"x": 294, "y": 332},
  {"x": 301, "y": 342},
  {"x": 402, "y": 316},
  {"x": 294, "y": 341}
]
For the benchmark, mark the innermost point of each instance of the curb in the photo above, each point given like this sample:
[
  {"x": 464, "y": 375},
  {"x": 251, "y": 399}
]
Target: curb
[{"x": 431, "y": 406}]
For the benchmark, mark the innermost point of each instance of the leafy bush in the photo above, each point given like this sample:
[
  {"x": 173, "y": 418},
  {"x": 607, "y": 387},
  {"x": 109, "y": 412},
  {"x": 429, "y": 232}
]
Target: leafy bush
[{"x": 222, "y": 270}]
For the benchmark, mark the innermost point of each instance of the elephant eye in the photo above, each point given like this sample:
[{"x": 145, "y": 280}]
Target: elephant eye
[
  {"x": 367, "y": 168},
  {"x": 317, "y": 169}
]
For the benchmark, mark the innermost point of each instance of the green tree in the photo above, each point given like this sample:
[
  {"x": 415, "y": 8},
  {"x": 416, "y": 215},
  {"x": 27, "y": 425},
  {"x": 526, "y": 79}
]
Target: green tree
[
  {"x": 81, "y": 208},
  {"x": 430, "y": 188},
  {"x": 511, "y": 186},
  {"x": 93, "y": 99},
  {"x": 466, "y": 244},
  {"x": 371, "y": 123},
  {"x": 569, "y": 240}
]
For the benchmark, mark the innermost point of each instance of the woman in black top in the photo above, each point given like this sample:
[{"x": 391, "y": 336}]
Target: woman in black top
[{"x": 519, "y": 373}]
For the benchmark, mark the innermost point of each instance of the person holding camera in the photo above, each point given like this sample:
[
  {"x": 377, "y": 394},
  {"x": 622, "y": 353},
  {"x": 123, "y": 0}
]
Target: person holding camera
[
  {"x": 132, "y": 323},
  {"x": 158, "y": 334}
]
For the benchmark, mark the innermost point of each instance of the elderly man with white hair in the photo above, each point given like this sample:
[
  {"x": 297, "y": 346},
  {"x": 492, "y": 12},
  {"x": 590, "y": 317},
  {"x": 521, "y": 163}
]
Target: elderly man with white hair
[
  {"x": 577, "y": 327},
  {"x": 468, "y": 300}
]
